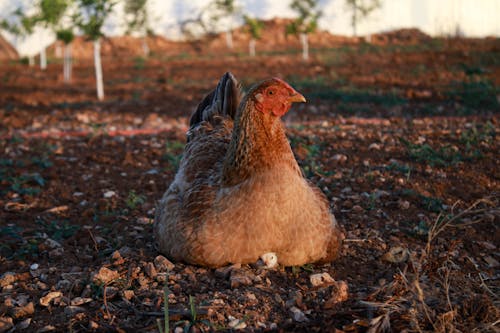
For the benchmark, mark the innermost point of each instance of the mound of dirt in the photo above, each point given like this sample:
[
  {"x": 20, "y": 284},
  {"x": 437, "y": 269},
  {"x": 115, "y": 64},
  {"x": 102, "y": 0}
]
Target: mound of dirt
[
  {"x": 407, "y": 36},
  {"x": 7, "y": 51}
]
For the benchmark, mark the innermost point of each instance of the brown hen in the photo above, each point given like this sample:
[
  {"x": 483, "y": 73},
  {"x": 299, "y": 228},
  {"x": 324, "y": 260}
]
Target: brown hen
[{"x": 239, "y": 192}]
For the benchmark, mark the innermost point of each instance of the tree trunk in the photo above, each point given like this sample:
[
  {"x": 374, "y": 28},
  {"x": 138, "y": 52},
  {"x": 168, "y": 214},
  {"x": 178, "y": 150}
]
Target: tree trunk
[
  {"x": 305, "y": 46},
  {"x": 145, "y": 46},
  {"x": 31, "y": 60},
  {"x": 43, "y": 58},
  {"x": 354, "y": 21},
  {"x": 251, "y": 47},
  {"x": 98, "y": 69},
  {"x": 229, "y": 39},
  {"x": 67, "y": 63}
]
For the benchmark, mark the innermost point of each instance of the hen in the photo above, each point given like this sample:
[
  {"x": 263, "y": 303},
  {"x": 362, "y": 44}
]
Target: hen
[{"x": 239, "y": 193}]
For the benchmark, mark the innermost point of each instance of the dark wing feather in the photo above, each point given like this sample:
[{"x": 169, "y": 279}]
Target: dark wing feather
[{"x": 223, "y": 101}]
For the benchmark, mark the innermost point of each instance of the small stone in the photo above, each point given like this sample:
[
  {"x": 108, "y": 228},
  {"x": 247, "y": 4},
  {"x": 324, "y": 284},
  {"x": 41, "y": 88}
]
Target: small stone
[
  {"x": 237, "y": 324},
  {"x": 357, "y": 209},
  {"x": 93, "y": 325},
  {"x": 339, "y": 158},
  {"x": 23, "y": 324},
  {"x": 321, "y": 279},
  {"x": 105, "y": 275},
  {"x": 56, "y": 253},
  {"x": 23, "y": 311},
  {"x": 80, "y": 300},
  {"x": 7, "y": 279},
  {"x": 150, "y": 270},
  {"x": 162, "y": 264},
  {"x": 298, "y": 315},
  {"x": 144, "y": 220},
  {"x": 251, "y": 296},
  {"x": 341, "y": 292},
  {"x": 63, "y": 284},
  {"x": 109, "y": 194},
  {"x": 178, "y": 329},
  {"x": 128, "y": 294},
  {"x": 73, "y": 310},
  {"x": 45, "y": 300},
  {"x": 488, "y": 245},
  {"x": 273, "y": 326},
  {"x": 396, "y": 255},
  {"x": 239, "y": 278},
  {"x": 374, "y": 146},
  {"x": 6, "y": 323},
  {"x": 50, "y": 243},
  {"x": 492, "y": 262},
  {"x": 223, "y": 272},
  {"x": 403, "y": 204},
  {"x": 117, "y": 258},
  {"x": 34, "y": 267}
]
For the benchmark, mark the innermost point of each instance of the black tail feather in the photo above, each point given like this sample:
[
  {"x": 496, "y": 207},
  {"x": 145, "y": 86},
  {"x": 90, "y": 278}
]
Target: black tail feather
[{"x": 223, "y": 101}]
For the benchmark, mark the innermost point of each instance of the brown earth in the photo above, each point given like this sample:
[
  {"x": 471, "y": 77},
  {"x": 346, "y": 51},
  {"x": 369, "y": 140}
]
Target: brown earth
[{"x": 403, "y": 139}]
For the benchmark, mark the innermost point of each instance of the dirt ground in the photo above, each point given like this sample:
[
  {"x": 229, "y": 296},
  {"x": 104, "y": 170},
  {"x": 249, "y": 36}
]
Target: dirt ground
[{"x": 403, "y": 139}]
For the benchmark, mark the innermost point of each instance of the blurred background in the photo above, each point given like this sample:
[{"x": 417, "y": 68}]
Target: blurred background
[{"x": 467, "y": 18}]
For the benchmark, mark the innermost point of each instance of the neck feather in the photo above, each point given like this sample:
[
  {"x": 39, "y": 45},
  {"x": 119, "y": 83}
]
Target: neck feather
[{"x": 258, "y": 144}]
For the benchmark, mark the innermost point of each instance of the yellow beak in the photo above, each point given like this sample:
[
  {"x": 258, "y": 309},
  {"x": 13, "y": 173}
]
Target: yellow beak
[{"x": 297, "y": 98}]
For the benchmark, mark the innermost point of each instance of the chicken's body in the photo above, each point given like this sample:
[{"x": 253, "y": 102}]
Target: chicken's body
[{"x": 240, "y": 193}]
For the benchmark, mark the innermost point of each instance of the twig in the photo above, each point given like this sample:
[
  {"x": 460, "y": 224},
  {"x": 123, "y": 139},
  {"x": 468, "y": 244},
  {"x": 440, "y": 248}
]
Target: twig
[
  {"x": 93, "y": 240},
  {"x": 106, "y": 301}
]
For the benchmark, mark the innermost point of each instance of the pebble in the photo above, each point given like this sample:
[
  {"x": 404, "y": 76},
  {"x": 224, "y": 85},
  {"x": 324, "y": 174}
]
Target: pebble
[
  {"x": 52, "y": 243},
  {"x": 162, "y": 264},
  {"x": 150, "y": 270},
  {"x": 492, "y": 262},
  {"x": 45, "y": 300},
  {"x": 403, "y": 204},
  {"x": 321, "y": 279},
  {"x": 109, "y": 194},
  {"x": 105, "y": 275},
  {"x": 22, "y": 311},
  {"x": 23, "y": 324},
  {"x": 6, "y": 323},
  {"x": 34, "y": 267},
  {"x": 81, "y": 300},
  {"x": 128, "y": 294},
  {"x": 298, "y": 315},
  {"x": 93, "y": 325},
  {"x": 239, "y": 278},
  {"x": 237, "y": 324},
  {"x": 116, "y": 258},
  {"x": 7, "y": 279},
  {"x": 341, "y": 158},
  {"x": 56, "y": 253},
  {"x": 374, "y": 146},
  {"x": 73, "y": 310},
  {"x": 396, "y": 254}
]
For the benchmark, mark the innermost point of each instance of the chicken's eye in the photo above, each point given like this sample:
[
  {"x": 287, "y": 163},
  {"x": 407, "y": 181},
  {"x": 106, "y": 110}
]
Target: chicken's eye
[{"x": 270, "y": 92}]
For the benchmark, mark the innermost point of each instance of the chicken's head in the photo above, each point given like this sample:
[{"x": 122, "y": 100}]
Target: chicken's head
[{"x": 275, "y": 96}]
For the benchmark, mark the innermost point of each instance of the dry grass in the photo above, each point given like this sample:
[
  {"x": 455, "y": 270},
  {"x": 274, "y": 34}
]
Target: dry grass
[{"x": 432, "y": 293}]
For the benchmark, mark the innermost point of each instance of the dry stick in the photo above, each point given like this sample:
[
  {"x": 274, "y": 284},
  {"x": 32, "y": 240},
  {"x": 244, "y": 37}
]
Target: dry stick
[
  {"x": 93, "y": 239},
  {"x": 435, "y": 230},
  {"x": 106, "y": 301},
  {"x": 483, "y": 283}
]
